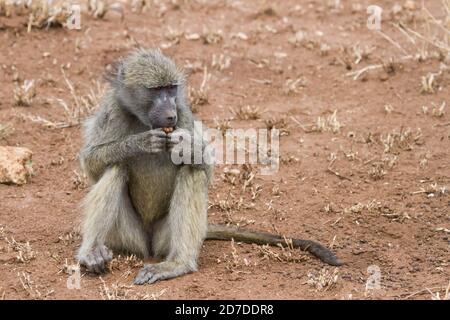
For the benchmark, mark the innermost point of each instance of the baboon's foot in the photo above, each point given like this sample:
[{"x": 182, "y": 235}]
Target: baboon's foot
[
  {"x": 151, "y": 273},
  {"x": 96, "y": 260}
]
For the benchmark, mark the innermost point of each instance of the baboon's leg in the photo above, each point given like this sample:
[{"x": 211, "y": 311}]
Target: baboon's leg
[
  {"x": 161, "y": 238},
  {"x": 182, "y": 233},
  {"x": 110, "y": 221}
]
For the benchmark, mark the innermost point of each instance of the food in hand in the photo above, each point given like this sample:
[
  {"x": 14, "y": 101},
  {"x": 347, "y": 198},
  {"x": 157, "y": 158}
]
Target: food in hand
[{"x": 168, "y": 130}]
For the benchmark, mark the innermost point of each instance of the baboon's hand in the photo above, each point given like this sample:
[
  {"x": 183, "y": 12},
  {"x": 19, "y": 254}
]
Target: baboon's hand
[
  {"x": 182, "y": 140},
  {"x": 179, "y": 136},
  {"x": 179, "y": 141},
  {"x": 96, "y": 260},
  {"x": 152, "y": 141}
]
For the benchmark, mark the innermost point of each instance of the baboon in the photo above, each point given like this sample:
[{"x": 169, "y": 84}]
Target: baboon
[{"x": 141, "y": 202}]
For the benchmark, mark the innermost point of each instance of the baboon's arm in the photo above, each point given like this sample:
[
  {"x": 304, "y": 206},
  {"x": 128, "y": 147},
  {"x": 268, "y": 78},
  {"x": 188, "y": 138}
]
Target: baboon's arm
[
  {"x": 109, "y": 142},
  {"x": 99, "y": 156},
  {"x": 217, "y": 232}
]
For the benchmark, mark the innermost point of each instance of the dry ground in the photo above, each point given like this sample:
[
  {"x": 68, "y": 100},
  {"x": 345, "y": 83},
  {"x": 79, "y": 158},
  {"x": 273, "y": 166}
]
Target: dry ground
[{"x": 370, "y": 181}]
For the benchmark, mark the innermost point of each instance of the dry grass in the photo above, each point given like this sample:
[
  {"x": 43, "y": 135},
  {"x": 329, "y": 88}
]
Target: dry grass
[
  {"x": 284, "y": 254},
  {"x": 33, "y": 290},
  {"x": 212, "y": 36},
  {"x": 424, "y": 157},
  {"x": 437, "y": 31},
  {"x": 294, "y": 85},
  {"x": 125, "y": 292},
  {"x": 380, "y": 168},
  {"x": 99, "y": 8},
  {"x": 324, "y": 279},
  {"x": 222, "y": 124},
  {"x": 302, "y": 39},
  {"x": 243, "y": 176},
  {"x": 139, "y": 5},
  {"x": 232, "y": 204},
  {"x": 79, "y": 180},
  {"x": 24, "y": 94},
  {"x": 227, "y": 205},
  {"x": 432, "y": 190},
  {"x": 374, "y": 208},
  {"x": 438, "y": 111},
  {"x": 5, "y": 130},
  {"x": 55, "y": 13},
  {"x": 388, "y": 108},
  {"x": 82, "y": 105},
  {"x": 389, "y": 66},
  {"x": 430, "y": 83},
  {"x": 247, "y": 113},
  {"x": 5, "y": 8},
  {"x": 437, "y": 295},
  {"x": 173, "y": 37},
  {"x": 281, "y": 124},
  {"x": 77, "y": 110},
  {"x": 129, "y": 262},
  {"x": 220, "y": 62},
  {"x": 361, "y": 53},
  {"x": 432, "y": 41},
  {"x": 324, "y": 49},
  {"x": 207, "y": 36},
  {"x": 329, "y": 123},
  {"x": 70, "y": 237},
  {"x": 67, "y": 268},
  {"x": 42, "y": 14},
  {"x": 404, "y": 140},
  {"x": 377, "y": 171},
  {"x": 195, "y": 66},
  {"x": 199, "y": 97},
  {"x": 25, "y": 252},
  {"x": 233, "y": 261}
]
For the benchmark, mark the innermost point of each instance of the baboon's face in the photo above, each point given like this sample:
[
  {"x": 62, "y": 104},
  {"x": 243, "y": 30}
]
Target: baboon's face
[
  {"x": 162, "y": 110},
  {"x": 155, "y": 107}
]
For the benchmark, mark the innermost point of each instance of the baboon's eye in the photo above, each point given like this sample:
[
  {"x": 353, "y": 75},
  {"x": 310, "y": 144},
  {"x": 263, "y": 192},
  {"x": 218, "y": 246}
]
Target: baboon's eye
[
  {"x": 170, "y": 88},
  {"x": 173, "y": 90}
]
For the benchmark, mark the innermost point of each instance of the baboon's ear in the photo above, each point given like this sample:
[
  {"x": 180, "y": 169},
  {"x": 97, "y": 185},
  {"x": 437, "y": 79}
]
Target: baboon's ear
[{"x": 115, "y": 76}]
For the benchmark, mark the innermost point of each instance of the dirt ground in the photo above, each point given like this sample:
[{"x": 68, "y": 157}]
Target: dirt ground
[{"x": 370, "y": 181}]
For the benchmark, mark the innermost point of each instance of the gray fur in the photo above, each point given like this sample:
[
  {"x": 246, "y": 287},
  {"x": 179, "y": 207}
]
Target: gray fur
[{"x": 140, "y": 201}]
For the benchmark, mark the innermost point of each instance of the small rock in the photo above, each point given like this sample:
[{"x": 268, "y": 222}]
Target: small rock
[
  {"x": 410, "y": 5},
  {"x": 396, "y": 9},
  {"x": 15, "y": 165},
  {"x": 383, "y": 76}
]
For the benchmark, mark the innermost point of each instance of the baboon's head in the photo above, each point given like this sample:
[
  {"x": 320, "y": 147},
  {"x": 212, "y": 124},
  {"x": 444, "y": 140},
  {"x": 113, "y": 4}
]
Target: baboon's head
[{"x": 149, "y": 85}]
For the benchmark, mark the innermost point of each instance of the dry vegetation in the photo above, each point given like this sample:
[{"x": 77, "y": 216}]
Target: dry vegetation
[
  {"x": 55, "y": 13},
  {"x": 364, "y": 132},
  {"x": 24, "y": 94},
  {"x": 125, "y": 292},
  {"x": 325, "y": 279},
  {"x": 33, "y": 290},
  {"x": 5, "y": 130}
]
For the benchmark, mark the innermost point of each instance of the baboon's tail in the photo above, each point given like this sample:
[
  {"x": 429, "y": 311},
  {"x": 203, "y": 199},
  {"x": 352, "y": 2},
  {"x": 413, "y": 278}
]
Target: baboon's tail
[{"x": 218, "y": 232}]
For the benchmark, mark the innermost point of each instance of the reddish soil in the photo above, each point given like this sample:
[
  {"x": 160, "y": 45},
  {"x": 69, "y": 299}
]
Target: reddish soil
[{"x": 404, "y": 231}]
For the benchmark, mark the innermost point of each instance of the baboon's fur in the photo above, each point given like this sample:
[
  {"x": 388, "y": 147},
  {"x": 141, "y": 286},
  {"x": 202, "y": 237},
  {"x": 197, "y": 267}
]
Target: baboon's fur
[{"x": 140, "y": 201}]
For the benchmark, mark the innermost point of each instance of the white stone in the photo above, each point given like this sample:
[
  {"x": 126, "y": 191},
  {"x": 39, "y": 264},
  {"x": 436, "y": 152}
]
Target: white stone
[{"x": 15, "y": 165}]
